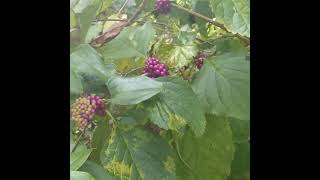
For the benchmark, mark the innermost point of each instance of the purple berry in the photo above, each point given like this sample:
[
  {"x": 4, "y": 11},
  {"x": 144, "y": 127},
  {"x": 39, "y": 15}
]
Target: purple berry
[
  {"x": 85, "y": 108},
  {"x": 198, "y": 60},
  {"x": 163, "y": 6},
  {"x": 154, "y": 69}
]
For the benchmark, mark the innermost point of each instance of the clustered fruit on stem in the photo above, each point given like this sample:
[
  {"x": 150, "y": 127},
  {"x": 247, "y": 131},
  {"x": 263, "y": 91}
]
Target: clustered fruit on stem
[
  {"x": 200, "y": 57},
  {"x": 163, "y": 6},
  {"x": 85, "y": 108},
  {"x": 154, "y": 69}
]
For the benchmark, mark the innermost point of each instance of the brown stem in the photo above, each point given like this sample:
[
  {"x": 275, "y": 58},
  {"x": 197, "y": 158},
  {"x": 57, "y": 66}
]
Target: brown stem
[
  {"x": 116, "y": 29},
  {"x": 79, "y": 138},
  {"x": 215, "y": 23}
]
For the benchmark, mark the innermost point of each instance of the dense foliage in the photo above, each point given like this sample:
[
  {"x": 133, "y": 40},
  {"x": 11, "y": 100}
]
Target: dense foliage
[{"x": 160, "y": 90}]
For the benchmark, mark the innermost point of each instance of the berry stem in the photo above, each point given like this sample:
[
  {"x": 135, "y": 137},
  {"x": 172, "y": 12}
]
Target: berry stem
[
  {"x": 110, "y": 115},
  {"x": 79, "y": 138}
]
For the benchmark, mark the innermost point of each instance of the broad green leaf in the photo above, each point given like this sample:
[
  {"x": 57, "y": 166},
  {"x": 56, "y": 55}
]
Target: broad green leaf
[
  {"x": 235, "y": 14},
  {"x": 132, "y": 90},
  {"x": 75, "y": 83},
  {"x": 80, "y": 5},
  {"x": 131, "y": 42},
  {"x": 178, "y": 96},
  {"x": 94, "y": 85},
  {"x": 73, "y": 3},
  {"x": 240, "y": 169},
  {"x": 86, "y": 61},
  {"x": 78, "y": 157},
  {"x": 163, "y": 117},
  {"x": 132, "y": 118},
  {"x": 86, "y": 16},
  {"x": 202, "y": 7},
  {"x": 230, "y": 46},
  {"x": 208, "y": 157},
  {"x": 240, "y": 130},
  {"x": 96, "y": 170},
  {"x": 79, "y": 175},
  {"x": 223, "y": 84},
  {"x": 138, "y": 154},
  {"x": 99, "y": 137},
  {"x": 73, "y": 19},
  {"x": 93, "y": 31}
]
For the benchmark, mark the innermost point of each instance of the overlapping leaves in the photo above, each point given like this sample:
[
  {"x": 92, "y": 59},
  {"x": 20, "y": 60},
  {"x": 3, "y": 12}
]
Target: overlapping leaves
[
  {"x": 223, "y": 84},
  {"x": 173, "y": 92},
  {"x": 235, "y": 14},
  {"x": 138, "y": 154},
  {"x": 132, "y": 42},
  {"x": 209, "y": 156}
]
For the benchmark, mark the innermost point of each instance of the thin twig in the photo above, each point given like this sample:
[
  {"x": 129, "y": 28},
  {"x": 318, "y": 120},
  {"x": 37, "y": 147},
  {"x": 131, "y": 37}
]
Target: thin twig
[
  {"x": 140, "y": 8},
  {"x": 133, "y": 71},
  {"x": 115, "y": 31},
  {"x": 139, "y": 21},
  {"x": 124, "y": 4},
  {"x": 79, "y": 138},
  {"x": 201, "y": 16},
  {"x": 221, "y": 26}
]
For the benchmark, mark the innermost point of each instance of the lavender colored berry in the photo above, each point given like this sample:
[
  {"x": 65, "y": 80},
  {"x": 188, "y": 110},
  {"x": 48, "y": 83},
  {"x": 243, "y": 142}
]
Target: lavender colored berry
[
  {"x": 85, "y": 108},
  {"x": 155, "y": 69},
  {"x": 198, "y": 60},
  {"x": 163, "y": 6}
]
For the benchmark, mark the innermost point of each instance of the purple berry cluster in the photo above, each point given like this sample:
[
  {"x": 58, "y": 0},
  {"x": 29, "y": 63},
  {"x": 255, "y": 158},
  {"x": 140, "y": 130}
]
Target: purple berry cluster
[
  {"x": 198, "y": 60},
  {"x": 163, "y": 6},
  {"x": 84, "y": 109},
  {"x": 154, "y": 69}
]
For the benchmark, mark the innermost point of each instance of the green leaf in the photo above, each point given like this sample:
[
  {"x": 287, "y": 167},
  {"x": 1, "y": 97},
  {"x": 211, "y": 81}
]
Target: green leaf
[
  {"x": 223, "y": 84},
  {"x": 73, "y": 3},
  {"x": 202, "y": 7},
  {"x": 240, "y": 169},
  {"x": 235, "y": 14},
  {"x": 132, "y": 90},
  {"x": 131, "y": 42},
  {"x": 87, "y": 15},
  {"x": 230, "y": 46},
  {"x": 138, "y": 154},
  {"x": 162, "y": 116},
  {"x": 73, "y": 19},
  {"x": 75, "y": 83},
  {"x": 240, "y": 130},
  {"x": 80, "y": 5},
  {"x": 132, "y": 119},
  {"x": 93, "y": 31},
  {"x": 96, "y": 171},
  {"x": 78, "y": 175},
  {"x": 78, "y": 157},
  {"x": 178, "y": 96},
  {"x": 86, "y": 61},
  {"x": 99, "y": 137},
  {"x": 208, "y": 157}
]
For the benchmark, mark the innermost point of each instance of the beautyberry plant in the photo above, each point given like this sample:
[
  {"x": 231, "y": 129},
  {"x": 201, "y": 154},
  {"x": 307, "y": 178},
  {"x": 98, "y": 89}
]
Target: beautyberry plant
[{"x": 160, "y": 89}]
